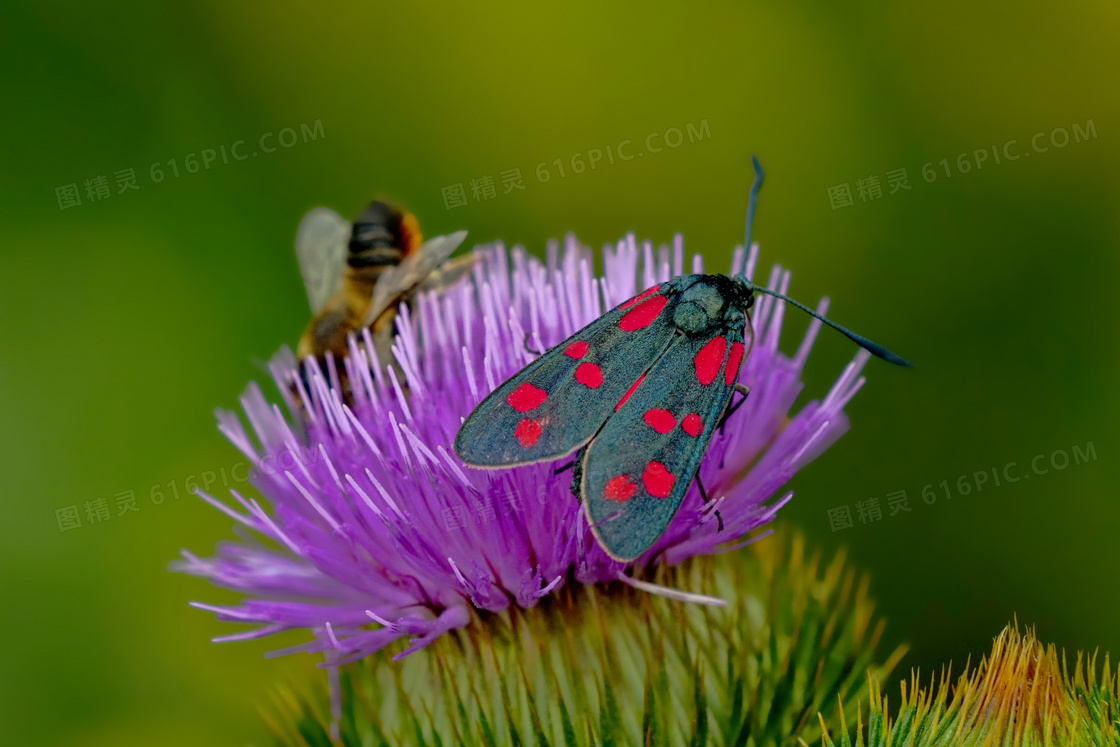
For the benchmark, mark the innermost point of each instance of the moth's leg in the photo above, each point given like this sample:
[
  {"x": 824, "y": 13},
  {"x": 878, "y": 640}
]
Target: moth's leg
[
  {"x": 704, "y": 495},
  {"x": 733, "y": 406},
  {"x": 526, "y": 344},
  {"x": 565, "y": 468},
  {"x": 577, "y": 473}
]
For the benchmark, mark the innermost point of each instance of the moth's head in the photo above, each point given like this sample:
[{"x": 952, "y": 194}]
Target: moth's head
[{"x": 746, "y": 294}]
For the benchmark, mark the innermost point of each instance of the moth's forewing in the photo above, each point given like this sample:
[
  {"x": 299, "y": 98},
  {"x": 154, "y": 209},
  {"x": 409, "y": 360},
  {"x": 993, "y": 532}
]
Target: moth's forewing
[
  {"x": 638, "y": 468},
  {"x": 556, "y": 403}
]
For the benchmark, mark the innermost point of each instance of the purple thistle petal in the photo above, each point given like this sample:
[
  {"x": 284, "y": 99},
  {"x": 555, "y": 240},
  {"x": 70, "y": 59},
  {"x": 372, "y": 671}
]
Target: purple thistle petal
[{"x": 376, "y": 532}]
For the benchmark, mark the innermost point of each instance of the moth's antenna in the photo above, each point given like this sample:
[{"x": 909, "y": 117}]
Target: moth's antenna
[
  {"x": 872, "y": 347},
  {"x": 752, "y": 200}
]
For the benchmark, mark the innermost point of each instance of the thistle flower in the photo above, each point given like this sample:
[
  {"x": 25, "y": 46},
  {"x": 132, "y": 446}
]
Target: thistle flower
[
  {"x": 593, "y": 665},
  {"x": 1018, "y": 696},
  {"x": 377, "y": 533}
]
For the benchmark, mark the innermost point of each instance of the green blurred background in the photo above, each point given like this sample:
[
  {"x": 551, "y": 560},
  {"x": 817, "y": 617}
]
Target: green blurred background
[{"x": 126, "y": 320}]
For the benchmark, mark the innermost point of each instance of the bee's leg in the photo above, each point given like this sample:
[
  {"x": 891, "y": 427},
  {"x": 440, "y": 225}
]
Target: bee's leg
[
  {"x": 704, "y": 495},
  {"x": 733, "y": 406},
  {"x": 526, "y": 343}
]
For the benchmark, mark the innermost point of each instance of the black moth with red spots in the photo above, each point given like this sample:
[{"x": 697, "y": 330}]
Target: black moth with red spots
[{"x": 638, "y": 392}]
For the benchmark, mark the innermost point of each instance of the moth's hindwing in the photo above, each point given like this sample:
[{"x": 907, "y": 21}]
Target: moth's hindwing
[
  {"x": 556, "y": 403},
  {"x": 638, "y": 468}
]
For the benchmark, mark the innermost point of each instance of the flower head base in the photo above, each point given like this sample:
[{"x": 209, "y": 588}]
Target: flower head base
[
  {"x": 598, "y": 665},
  {"x": 377, "y": 532}
]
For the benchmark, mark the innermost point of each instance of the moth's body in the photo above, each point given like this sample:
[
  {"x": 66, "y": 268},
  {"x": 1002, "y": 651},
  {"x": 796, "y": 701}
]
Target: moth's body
[{"x": 357, "y": 274}]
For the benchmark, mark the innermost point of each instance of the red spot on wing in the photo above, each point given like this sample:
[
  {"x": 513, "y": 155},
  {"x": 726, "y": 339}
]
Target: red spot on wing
[
  {"x": 660, "y": 420},
  {"x": 642, "y": 315},
  {"x": 526, "y": 397},
  {"x": 527, "y": 432},
  {"x": 708, "y": 359},
  {"x": 629, "y": 392},
  {"x": 657, "y": 480},
  {"x": 692, "y": 424},
  {"x": 576, "y": 350},
  {"x": 589, "y": 375},
  {"x": 619, "y": 488},
  {"x": 641, "y": 296},
  {"x": 734, "y": 358}
]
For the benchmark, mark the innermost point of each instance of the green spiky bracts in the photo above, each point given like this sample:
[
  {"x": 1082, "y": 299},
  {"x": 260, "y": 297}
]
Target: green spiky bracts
[
  {"x": 1018, "y": 696},
  {"x": 612, "y": 665}
]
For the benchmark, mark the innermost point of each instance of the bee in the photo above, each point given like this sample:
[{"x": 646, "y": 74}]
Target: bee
[{"x": 356, "y": 274}]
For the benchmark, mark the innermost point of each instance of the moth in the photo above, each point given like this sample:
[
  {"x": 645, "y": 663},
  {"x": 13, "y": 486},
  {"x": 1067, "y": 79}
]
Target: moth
[{"x": 637, "y": 394}]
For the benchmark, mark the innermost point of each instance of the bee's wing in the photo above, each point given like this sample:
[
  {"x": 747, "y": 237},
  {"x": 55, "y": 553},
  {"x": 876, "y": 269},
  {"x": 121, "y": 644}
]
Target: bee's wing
[
  {"x": 321, "y": 241},
  {"x": 449, "y": 272},
  {"x": 393, "y": 282}
]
